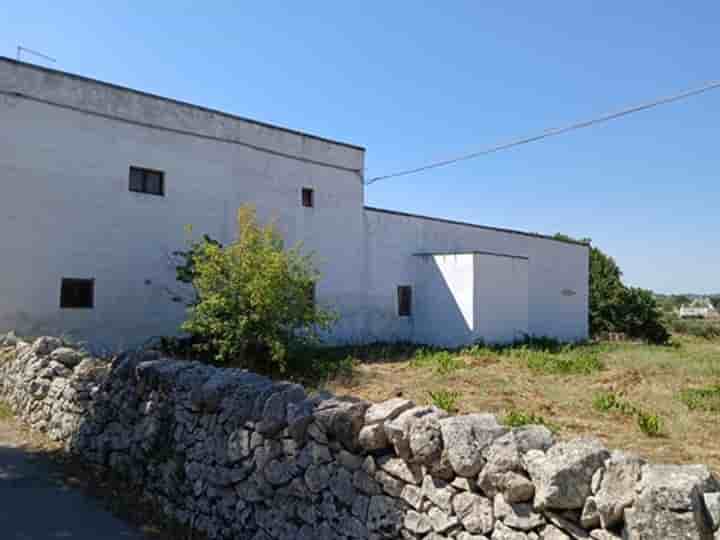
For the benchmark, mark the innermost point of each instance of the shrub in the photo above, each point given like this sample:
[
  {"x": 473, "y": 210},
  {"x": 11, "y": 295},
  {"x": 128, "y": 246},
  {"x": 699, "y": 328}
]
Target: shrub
[
  {"x": 650, "y": 424},
  {"x": 610, "y": 401},
  {"x": 445, "y": 400},
  {"x": 702, "y": 399},
  {"x": 519, "y": 418},
  {"x": 442, "y": 362},
  {"x": 253, "y": 302}
]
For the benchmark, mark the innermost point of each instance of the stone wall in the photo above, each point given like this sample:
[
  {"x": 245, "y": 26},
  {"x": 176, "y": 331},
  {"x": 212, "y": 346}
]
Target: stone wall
[{"x": 237, "y": 455}]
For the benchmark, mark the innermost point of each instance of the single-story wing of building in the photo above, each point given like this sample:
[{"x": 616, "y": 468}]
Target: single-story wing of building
[{"x": 100, "y": 181}]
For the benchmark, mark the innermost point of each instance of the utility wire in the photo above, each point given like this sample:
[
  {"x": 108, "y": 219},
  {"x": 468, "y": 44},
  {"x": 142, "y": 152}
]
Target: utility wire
[{"x": 551, "y": 132}]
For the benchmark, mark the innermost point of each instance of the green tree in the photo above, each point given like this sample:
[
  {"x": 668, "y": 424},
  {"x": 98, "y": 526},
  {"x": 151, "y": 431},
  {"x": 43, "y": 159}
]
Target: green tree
[{"x": 254, "y": 299}]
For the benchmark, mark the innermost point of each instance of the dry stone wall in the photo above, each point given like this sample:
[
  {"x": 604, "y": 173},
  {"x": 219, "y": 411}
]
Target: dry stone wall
[{"x": 237, "y": 455}]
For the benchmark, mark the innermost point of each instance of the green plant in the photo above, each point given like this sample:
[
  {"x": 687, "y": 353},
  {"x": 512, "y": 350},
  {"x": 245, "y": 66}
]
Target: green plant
[
  {"x": 610, "y": 401},
  {"x": 5, "y": 411},
  {"x": 649, "y": 423},
  {"x": 519, "y": 418},
  {"x": 441, "y": 361},
  {"x": 255, "y": 300},
  {"x": 445, "y": 399},
  {"x": 702, "y": 399},
  {"x": 570, "y": 361}
]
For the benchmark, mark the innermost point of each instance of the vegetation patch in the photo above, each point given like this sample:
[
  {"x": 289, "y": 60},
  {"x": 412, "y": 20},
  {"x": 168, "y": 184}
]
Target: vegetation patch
[
  {"x": 5, "y": 411},
  {"x": 518, "y": 418},
  {"x": 702, "y": 399},
  {"x": 650, "y": 423},
  {"x": 442, "y": 362},
  {"x": 571, "y": 361},
  {"x": 445, "y": 399}
]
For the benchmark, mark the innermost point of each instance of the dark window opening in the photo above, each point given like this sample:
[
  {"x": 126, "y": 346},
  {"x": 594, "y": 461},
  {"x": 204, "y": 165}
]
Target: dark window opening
[
  {"x": 147, "y": 181},
  {"x": 404, "y": 293},
  {"x": 308, "y": 197},
  {"x": 77, "y": 293}
]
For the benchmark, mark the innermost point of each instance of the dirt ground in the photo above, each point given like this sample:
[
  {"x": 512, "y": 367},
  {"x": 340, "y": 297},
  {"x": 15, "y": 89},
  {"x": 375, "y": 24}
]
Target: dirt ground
[{"x": 650, "y": 378}]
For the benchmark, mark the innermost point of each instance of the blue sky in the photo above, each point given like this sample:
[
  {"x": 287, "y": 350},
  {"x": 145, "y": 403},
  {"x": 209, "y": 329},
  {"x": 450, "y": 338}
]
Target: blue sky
[{"x": 420, "y": 81}]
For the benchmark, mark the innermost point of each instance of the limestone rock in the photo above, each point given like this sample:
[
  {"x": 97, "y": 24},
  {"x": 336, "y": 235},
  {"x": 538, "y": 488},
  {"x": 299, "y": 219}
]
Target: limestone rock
[
  {"x": 563, "y": 475},
  {"x": 387, "y": 410},
  {"x": 426, "y": 443},
  {"x": 398, "y": 429},
  {"x": 617, "y": 488},
  {"x": 670, "y": 504},
  {"x": 503, "y": 532},
  {"x": 475, "y": 512},
  {"x": 466, "y": 437}
]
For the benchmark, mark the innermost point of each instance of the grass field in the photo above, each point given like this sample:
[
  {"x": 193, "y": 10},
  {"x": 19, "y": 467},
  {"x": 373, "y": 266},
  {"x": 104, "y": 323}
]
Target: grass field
[{"x": 660, "y": 402}]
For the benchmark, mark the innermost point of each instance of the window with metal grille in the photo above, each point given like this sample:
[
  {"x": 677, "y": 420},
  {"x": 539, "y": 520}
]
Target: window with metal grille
[
  {"x": 147, "y": 181},
  {"x": 404, "y": 293},
  {"x": 77, "y": 293},
  {"x": 308, "y": 197}
]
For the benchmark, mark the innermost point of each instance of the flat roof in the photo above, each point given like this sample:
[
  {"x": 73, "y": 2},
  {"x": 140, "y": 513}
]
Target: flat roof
[
  {"x": 177, "y": 102},
  {"x": 475, "y": 225}
]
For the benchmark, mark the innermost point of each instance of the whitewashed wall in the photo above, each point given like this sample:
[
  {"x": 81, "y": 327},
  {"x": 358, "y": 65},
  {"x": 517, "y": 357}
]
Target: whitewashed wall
[
  {"x": 557, "y": 272},
  {"x": 66, "y": 211},
  {"x": 66, "y": 145}
]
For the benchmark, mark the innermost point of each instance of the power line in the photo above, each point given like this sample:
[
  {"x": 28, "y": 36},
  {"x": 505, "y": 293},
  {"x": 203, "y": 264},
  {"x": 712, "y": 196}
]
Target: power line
[{"x": 551, "y": 132}]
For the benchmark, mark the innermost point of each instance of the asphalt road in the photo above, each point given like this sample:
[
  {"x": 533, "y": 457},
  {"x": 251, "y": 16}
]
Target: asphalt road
[{"x": 35, "y": 503}]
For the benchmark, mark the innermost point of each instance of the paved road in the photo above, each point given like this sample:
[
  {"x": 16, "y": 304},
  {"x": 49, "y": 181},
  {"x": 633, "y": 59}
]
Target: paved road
[{"x": 35, "y": 504}]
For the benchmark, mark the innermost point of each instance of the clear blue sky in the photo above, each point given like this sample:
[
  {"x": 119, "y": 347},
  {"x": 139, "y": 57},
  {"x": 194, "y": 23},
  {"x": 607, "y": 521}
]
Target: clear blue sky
[{"x": 418, "y": 81}]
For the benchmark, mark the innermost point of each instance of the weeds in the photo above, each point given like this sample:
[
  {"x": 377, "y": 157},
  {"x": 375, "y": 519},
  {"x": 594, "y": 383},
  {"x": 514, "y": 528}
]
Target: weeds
[
  {"x": 519, "y": 418},
  {"x": 649, "y": 423},
  {"x": 442, "y": 362},
  {"x": 5, "y": 411},
  {"x": 610, "y": 401},
  {"x": 569, "y": 361},
  {"x": 702, "y": 399},
  {"x": 445, "y": 399}
]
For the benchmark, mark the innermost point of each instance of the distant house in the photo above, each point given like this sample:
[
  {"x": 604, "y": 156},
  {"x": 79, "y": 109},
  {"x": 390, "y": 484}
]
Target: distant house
[
  {"x": 700, "y": 308},
  {"x": 99, "y": 181}
]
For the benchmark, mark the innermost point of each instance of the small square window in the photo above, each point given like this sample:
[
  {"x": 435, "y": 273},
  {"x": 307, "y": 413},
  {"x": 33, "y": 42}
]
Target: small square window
[
  {"x": 404, "y": 293},
  {"x": 308, "y": 197},
  {"x": 77, "y": 293},
  {"x": 147, "y": 181}
]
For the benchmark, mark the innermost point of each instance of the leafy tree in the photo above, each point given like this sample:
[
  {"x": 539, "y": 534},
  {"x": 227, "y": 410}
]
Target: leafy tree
[
  {"x": 254, "y": 299},
  {"x": 613, "y": 307}
]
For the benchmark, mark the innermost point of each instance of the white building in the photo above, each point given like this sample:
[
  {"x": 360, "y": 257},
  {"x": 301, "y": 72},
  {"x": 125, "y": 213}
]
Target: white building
[{"x": 99, "y": 181}]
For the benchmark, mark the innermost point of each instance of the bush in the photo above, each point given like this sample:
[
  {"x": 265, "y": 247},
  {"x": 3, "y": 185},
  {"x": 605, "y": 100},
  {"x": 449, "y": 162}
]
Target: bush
[
  {"x": 441, "y": 361},
  {"x": 650, "y": 424},
  {"x": 445, "y": 400},
  {"x": 254, "y": 299},
  {"x": 518, "y": 418},
  {"x": 639, "y": 316}
]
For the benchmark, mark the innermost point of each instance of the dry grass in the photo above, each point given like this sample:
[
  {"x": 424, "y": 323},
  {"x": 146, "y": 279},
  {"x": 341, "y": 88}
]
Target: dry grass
[{"x": 652, "y": 379}]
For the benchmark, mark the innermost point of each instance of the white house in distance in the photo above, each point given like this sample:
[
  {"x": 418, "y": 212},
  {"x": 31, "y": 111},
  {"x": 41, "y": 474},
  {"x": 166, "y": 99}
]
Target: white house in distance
[{"x": 99, "y": 181}]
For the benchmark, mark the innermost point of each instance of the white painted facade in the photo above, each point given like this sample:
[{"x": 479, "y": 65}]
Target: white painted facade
[{"x": 66, "y": 146}]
